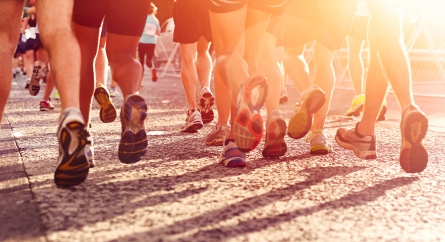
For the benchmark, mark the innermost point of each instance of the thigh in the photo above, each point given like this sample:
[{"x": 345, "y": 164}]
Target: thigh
[{"x": 127, "y": 17}]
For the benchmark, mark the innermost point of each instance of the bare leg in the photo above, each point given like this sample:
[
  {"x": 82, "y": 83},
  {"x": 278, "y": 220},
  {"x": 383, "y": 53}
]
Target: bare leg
[
  {"x": 203, "y": 62},
  {"x": 267, "y": 63},
  {"x": 101, "y": 63},
  {"x": 57, "y": 34},
  {"x": 10, "y": 12},
  {"x": 325, "y": 79},
  {"x": 296, "y": 67},
  {"x": 126, "y": 70},
  {"x": 189, "y": 76},
  {"x": 88, "y": 39},
  {"x": 29, "y": 65},
  {"x": 355, "y": 63}
]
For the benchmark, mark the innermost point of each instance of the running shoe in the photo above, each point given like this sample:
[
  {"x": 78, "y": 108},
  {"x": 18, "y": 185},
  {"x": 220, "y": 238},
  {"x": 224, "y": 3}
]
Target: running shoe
[
  {"x": 217, "y": 135},
  {"x": 414, "y": 125},
  {"x": 193, "y": 122},
  {"x": 363, "y": 146},
  {"x": 275, "y": 132},
  {"x": 231, "y": 156},
  {"x": 107, "y": 110},
  {"x": 311, "y": 100},
  {"x": 37, "y": 73},
  {"x": 56, "y": 95},
  {"x": 357, "y": 104},
  {"x": 319, "y": 142},
  {"x": 133, "y": 144},
  {"x": 205, "y": 105},
  {"x": 46, "y": 105},
  {"x": 284, "y": 98},
  {"x": 89, "y": 150},
  {"x": 248, "y": 127},
  {"x": 113, "y": 92},
  {"x": 73, "y": 166},
  {"x": 154, "y": 76},
  {"x": 27, "y": 84}
]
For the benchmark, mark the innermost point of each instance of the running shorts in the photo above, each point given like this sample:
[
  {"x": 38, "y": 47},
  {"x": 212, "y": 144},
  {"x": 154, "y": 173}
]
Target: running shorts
[
  {"x": 38, "y": 41},
  {"x": 124, "y": 17},
  {"x": 31, "y": 44},
  {"x": 225, "y": 6},
  {"x": 328, "y": 22},
  {"x": 192, "y": 21},
  {"x": 359, "y": 29}
]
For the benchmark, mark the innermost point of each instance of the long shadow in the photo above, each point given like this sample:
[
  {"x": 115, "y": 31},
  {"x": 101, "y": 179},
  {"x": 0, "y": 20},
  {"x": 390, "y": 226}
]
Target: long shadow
[
  {"x": 314, "y": 176},
  {"x": 351, "y": 200}
]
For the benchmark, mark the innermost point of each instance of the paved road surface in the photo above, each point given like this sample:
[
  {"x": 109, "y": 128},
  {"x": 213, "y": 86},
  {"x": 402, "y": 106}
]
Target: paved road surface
[{"x": 179, "y": 193}]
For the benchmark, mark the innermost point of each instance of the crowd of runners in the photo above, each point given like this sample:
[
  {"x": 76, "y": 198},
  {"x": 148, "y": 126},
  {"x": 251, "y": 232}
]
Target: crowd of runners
[{"x": 248, "y": 72}]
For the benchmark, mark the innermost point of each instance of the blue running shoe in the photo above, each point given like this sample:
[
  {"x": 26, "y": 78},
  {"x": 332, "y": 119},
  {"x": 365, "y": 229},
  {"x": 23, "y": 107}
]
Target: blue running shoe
[{"x": 133, "y": 144}]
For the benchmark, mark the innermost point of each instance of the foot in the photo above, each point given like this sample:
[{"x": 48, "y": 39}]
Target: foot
[
  {"x": 275, "y": 132},
  {"x": 217, "y": 135},
  {"x": 383, "y": 111},
  {"x": 363, "y": 146},
  {"x": 311, "y": 100},
  {"x": 231, "y": 156},
  {"x": 73, "y": 166},
  {"x": 154, "y": 76},
  {"x": 284, "y": 98},
  {"x": 133, "y": 143},
  {"x": 319, "y": 142},
  {"x": 248, "y": 127},
  {"x": 193, "y": 122},
  {"x": 357, "y": 104},
  {"x": 46, "y": 105},
  {"x": 107, "y": 112},
  {"x": 413, "y": 155},
  {"x": 205, "y": 105}
]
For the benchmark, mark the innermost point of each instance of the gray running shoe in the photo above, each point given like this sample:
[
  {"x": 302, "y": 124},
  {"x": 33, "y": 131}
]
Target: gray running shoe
[
  {"x": 217, "y": 135},
  {"x": 193, "y": 122}
]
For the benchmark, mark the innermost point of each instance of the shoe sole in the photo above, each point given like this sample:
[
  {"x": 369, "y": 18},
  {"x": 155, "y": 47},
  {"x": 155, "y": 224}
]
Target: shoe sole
[
  {"x": 206, "y": 102},
  {"x": 367, "y": 155},
  {"x": 319, "y": 150},
  {"x": 72, "y": 169},
  {"x": 248, "y": 127},
  {"x": 215, "y": 143},
  {"x": 234, "y": 163},
  {"x": 300, "y": 123},
  {"x": 193, "y": 128},
  {"x": 107, "y": 112},
  {"x": 413, "y": 155},
  {"x": 34, "y": 83},
  {"x": 356, "y": 112},
  {"x": 275, "y": 145},
  {"x": 133, "y": 143}
]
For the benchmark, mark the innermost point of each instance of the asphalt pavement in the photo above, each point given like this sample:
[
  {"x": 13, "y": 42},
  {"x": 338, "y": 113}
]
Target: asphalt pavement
[{"x": 178, "y": 191}]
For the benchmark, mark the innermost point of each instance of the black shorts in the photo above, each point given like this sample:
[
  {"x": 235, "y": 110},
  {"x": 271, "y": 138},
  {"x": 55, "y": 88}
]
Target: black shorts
[
  {"x": 20, "y": 48},
  {"x": 31, "y": 44},
  {"x": 103, "y": 32},
  {"x": 225, "y": 6},
  {"x": 359, "y": 29},
  {"x": 328, "y": 22},
  {"x": 192, "y": 21},
  {"x": 124, "y": 17}
]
